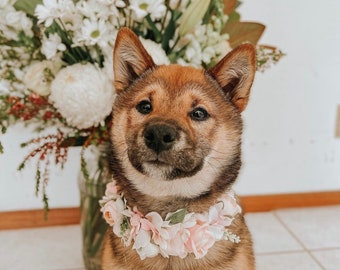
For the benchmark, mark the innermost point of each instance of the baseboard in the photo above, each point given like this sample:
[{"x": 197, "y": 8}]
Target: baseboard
[
  {"x": 257, "y": 203},
  {"x": 36, "y": 218},
  {"x": 263, "y": 203}
]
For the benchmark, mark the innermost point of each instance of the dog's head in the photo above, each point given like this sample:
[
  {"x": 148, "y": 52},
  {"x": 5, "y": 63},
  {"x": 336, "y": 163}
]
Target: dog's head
[{"x": 176, "y": 130}]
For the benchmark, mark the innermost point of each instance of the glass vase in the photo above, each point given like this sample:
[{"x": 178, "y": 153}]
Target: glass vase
[{"x": 92, "y": 180}]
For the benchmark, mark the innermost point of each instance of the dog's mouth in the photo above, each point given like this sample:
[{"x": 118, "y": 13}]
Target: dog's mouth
[
  {"x": 169, "y": 168},
  {"x": 158, "y": 163}
]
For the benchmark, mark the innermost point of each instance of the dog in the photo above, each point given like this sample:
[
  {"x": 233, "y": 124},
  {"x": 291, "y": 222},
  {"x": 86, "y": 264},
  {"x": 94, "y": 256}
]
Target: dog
[{"x": 176, "y": 144}]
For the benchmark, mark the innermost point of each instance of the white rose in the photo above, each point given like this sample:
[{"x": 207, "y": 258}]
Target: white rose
[{"x": 39, "y": 75}]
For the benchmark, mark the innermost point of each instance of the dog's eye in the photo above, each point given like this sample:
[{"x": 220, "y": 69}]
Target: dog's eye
[
  {"x": 144, "y": 107},
  {"x": 199, "y": 114}
]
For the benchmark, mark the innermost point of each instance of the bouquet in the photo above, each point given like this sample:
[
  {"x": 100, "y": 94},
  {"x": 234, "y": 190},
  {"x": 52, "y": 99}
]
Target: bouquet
[{"x": 56, "y": 62}]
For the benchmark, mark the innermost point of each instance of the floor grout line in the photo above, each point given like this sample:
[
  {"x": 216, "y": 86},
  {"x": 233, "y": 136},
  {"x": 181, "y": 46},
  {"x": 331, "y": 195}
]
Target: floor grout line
[
  {"x": 324, "y": 249},
  {"x": 308, "y": 251},
  {"x": 279, "y": 252}
]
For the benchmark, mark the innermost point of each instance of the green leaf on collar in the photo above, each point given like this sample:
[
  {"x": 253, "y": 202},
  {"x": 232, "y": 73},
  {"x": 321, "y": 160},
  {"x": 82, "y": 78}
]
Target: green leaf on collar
[{"x": 177, "y": 217}]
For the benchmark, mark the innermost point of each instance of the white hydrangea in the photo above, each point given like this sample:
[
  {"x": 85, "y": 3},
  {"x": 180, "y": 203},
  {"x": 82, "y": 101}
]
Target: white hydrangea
[
  {"x": 203, "y": 45},
  {"x": 13, "y": 21},
  {"x": 83, "y": 95}
]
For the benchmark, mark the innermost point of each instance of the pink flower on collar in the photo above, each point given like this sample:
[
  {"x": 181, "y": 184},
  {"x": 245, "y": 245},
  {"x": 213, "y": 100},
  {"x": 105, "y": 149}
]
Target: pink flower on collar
[
  {"x": 200, "y": 240},
  {"x": 112, "y": 212},
  {"x": 111, "y": 189}
]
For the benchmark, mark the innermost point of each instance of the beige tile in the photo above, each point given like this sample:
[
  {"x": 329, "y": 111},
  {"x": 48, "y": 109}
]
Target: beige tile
[
  {"x": 72, "y": 269},
  {"x": 43, "y": 248},
  {"x": 329, "y": 259},
  {"x": 269, "y": 235},
  {"x": 316, "y": 228},
  {"x": 286, "y": 261}
]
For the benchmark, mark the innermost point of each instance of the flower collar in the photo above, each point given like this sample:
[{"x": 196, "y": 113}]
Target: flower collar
[{"x": 179, "y": 234}]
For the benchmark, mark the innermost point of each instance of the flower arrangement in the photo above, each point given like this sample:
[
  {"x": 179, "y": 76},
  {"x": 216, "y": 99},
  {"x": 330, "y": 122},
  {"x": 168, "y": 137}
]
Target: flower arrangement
[
  {"x": 56, "y": 62},
  {"x": 180, "y": 234}
]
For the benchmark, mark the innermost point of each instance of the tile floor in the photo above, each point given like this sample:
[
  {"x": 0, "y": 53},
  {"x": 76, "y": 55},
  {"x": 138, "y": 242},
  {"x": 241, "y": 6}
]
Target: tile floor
[{"x": 293, "y": 239}]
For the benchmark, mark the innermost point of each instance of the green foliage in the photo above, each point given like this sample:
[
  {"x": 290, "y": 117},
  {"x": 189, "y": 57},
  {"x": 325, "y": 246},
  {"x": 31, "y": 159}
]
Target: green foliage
[
  {"x": 28, "y": 6},
  {"x": 72, "y": 54},
  {"x": 83, "y": 166},
  {"x": 178, "y": 216},
  {"x": 125, "y": 225}
]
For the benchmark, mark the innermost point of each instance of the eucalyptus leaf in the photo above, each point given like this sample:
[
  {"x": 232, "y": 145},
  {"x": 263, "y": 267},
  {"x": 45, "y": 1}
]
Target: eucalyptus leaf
[
  {"x": 229, "y": 6},
  {"x": 234, "y": 16},
  {"x": 240, "y": 32}
]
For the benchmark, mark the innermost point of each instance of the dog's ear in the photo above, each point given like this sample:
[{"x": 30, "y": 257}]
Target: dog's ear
[
  {"x": 130, "y": 59},
  {"x": 235, "y": 74}
]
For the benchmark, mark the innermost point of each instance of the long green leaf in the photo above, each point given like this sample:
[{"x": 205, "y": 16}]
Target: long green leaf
[
  {"x": 156, "y": 33},
  {"x": 170, "y": 30}
]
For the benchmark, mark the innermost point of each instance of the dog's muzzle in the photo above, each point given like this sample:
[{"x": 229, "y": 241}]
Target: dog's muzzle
[{"x": 160, "y": 137}]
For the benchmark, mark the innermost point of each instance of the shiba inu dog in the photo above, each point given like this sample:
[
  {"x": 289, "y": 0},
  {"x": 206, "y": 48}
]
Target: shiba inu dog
[{"x": 176, "y": 137}]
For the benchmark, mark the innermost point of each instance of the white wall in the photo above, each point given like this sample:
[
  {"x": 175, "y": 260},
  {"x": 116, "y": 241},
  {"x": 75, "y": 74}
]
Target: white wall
[
  {"x": 289, "y": 143},
  {"x": 17, "y": 189}
]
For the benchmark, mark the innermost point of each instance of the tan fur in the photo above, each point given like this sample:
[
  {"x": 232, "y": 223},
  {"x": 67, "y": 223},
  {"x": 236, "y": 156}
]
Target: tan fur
[{"x": 203, "y": 161}]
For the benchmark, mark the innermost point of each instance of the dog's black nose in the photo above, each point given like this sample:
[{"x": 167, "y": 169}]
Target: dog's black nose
[{"x": 160, "y": 137}]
